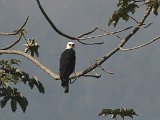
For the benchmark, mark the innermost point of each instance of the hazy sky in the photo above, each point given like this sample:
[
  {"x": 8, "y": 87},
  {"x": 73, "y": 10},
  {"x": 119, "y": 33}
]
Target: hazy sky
[{"x": 135, "y": 83}]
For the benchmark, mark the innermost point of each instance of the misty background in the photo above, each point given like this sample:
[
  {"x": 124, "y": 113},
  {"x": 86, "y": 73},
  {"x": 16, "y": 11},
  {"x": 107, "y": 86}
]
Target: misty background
[{"x": 135, "y": 83}]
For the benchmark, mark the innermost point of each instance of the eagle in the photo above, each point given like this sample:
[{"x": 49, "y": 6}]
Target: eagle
[{"x": 67, "y": 65}]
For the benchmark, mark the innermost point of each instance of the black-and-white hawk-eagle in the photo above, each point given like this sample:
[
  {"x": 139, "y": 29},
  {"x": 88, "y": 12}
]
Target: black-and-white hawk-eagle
[{"x": 67, "y": 65}]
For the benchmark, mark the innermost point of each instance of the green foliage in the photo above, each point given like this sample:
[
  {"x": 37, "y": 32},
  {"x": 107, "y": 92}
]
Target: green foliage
[
  {"x": 155, "y": 4},
  {"x": 9, "y": 73},
  {"x": 125, "y": 7},
  {"x": 14, "y": 96},
  {"x": 34, "y": 82},
  {"x": 121, "y": 112}
]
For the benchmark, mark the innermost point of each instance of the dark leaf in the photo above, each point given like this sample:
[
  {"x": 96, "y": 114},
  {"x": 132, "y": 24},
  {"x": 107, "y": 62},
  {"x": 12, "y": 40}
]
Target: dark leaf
[
  {"x": 22, "y": 101},
  {"x": 124, "y": 9},
  {"x": 40, "y": 87},
  {"x": 156, "y": 6},
  {"x": 4, "y": 101},
  {"x": 37, "y": 53},
  {"x": 121, "y": 112},
  {"x": 105, "y": 112},
  {"x": 31, "y": 84},
  {"x": 34, "y": 82},
  {"x": 32, "y": 52},
  {"x": 13, "y": 104},
  {"x": 2, "y": 92},
  {"x": 125, "y": 17}
]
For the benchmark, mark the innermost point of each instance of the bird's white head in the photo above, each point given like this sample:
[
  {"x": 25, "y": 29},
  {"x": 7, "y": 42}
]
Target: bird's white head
[{"x": 70, "y": 45}]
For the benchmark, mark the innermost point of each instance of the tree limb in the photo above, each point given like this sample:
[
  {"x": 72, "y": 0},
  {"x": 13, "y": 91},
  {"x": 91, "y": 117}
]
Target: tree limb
[
  {"x": 95, "y": 76},
  {"x": 79, "y": 38},
  {"x": 15, "y": 32},
  {"x": 53, "y": 25},
  {"x": 87, "y": 33},
  {"x": 36, "y": 62},
  {"x": 140, "y": 46},
  {"x": 10, "y": 46}
]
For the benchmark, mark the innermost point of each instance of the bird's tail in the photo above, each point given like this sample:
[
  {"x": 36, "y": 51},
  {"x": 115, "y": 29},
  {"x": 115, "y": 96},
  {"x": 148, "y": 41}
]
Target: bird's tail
[{"x": 65, "y": 85}]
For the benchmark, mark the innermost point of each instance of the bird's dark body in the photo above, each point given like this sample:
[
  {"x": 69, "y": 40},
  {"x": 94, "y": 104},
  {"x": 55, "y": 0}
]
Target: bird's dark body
[{"x": 67, "y": 66}]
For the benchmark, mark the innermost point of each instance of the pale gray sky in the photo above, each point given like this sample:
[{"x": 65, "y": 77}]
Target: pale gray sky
[{"x": 134, "y": 85}]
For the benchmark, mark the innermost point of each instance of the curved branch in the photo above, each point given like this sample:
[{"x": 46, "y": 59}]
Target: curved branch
[
  {"x": 133, "y": 19},
  {"x": 79, "y": 38},
  {"x": 87, "y": 33},
  {"x": 60, "y": 32},
  {"x": 52, "y": 24},
  {"x": 104, "y": 70},
  {"x": 10, "y": 46},
  {"x": 36, "y": 62},
  {"x": 95, "y": 76},
  {"x": 140, "y": 46},
  {"x": 96, "y": 43},
  {"x": 15, "y": 32}
]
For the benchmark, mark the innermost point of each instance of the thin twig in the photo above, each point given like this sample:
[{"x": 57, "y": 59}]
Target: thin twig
[
  {"x": 106, "y": 71},
  {"x": 36, "y": 62},
  {"x": 94, "y": 69},
  {"x": 68, "y": 36},
  {"x": 148, "y": 25},
  {"x": 10, "y": 46},
  {"x": 101, "y": 35},
  {"x": 90, "y": 32},
  {"x": 96, "y": 43},
  {"x": 15, "y": 32},
  {"x": 95, "y": 76},
  {"x": 140, "y": 46},
  {"x": 106, "y": 34},
  {"x": 112, "y": 32},
  {"x": 133, "y": 19}
]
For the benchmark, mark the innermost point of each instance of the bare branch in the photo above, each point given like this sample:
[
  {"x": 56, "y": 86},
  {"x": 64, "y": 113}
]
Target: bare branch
[
  {"x": 79, "y": 38},
  {"x": 140, "y": 46},
  {"x": 90, "y": 32},
  {"x": 52, "y": 24},
  {"x": 94, "y": 69},
  {"x": 95, "y": 76},
  {"x": 60, "y": 32},
  {"x": 148, "y": 25},
  {"x": 133, "y": 19},
  {"x": 10, "y": 46},
  {"x": 106, "y": 33},
  {"x": 15, "y": 32},
  {"x": 101, "y": 35},
  {"x": 106, "y": 71},
  {"x": 36, "y": 62},
  {"x": 96, "y": 43}
]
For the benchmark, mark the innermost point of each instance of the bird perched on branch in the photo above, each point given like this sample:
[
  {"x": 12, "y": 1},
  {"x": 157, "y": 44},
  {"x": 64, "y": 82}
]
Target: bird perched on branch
[{"x": 67, "y": 65}]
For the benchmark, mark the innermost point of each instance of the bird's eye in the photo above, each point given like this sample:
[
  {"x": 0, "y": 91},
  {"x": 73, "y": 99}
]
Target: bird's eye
[{"x": 70, "y": 45}]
